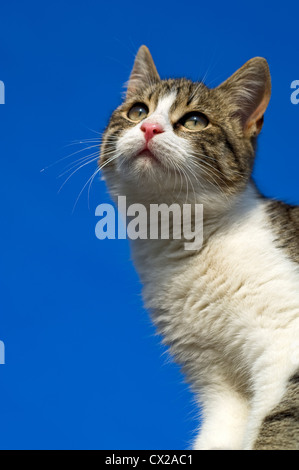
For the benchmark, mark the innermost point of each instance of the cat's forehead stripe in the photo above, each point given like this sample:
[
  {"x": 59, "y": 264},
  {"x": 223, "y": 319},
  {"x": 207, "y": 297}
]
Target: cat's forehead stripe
[{"x": 165, "y": 103}]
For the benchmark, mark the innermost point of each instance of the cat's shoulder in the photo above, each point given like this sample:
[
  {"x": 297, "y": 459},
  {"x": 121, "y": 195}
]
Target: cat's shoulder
[{"x": 284, "y": 221}]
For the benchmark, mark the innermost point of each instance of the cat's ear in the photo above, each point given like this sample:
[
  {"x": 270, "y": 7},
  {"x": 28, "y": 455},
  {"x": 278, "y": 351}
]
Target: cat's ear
[
  {"x": 144, "y": 71},
  {"x": 249, "y": 90}
]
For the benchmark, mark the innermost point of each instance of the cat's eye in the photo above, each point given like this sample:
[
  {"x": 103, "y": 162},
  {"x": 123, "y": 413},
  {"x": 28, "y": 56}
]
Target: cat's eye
[
  {"x": 195, "y": 121},
  {"x": 138, "y": 112}
]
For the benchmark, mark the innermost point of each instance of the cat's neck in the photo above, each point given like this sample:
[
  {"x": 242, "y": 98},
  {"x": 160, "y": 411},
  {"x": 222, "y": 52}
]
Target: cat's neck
[
  {"x": 221, "y": 217},
  {"x": 215, "y": 204}
]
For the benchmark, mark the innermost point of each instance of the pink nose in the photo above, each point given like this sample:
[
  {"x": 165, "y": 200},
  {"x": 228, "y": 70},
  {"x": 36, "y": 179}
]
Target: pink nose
[{"x": 150, "y": 130}]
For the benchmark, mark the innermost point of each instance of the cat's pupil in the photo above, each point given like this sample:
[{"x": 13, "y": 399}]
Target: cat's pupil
[{"x": 194, "y": 121}]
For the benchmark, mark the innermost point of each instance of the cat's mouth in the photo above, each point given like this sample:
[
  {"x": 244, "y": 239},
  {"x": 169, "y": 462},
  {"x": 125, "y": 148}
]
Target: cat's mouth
[{"x": 148, "y": 155}]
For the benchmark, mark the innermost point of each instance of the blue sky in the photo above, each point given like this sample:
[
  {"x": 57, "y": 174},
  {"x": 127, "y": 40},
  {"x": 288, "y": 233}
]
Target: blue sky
[{"x": 84, "y": 368}]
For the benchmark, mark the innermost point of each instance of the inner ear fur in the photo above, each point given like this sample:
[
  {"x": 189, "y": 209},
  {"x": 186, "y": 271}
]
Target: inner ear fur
[{"x": 249, "y": 90}]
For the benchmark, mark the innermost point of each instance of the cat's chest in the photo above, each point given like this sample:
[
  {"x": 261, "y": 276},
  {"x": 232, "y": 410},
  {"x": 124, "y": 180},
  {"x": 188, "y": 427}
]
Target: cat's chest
[{"x": 239, "y": 282}]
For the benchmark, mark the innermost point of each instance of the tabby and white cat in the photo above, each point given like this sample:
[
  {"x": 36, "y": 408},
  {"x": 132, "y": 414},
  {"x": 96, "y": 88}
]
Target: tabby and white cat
[{"x": 229, "y": 312}]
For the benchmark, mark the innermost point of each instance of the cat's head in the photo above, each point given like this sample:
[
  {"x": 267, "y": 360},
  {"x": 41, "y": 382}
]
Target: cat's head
[{"x": 179, "y": 137}]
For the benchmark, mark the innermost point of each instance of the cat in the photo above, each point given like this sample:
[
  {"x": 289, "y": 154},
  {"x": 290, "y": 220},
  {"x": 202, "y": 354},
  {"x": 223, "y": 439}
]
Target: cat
[{"x": 229, "y": 311}]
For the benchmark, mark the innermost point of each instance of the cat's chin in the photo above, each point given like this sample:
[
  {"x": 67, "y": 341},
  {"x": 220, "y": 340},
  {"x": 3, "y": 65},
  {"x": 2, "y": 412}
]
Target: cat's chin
[
  {"x": 145, "y": 172},
  {"x": 146, "y": 164},
  {"x": 146, "y": 156}
]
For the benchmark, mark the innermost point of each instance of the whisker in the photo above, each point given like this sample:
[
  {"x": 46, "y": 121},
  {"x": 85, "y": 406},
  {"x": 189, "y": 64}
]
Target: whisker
[
  {"x": 210, "y": 175},
  {"x": 81, "y": 159},
  {"x": 91, "y": 158},
  {"x": 81, "y": 142},
  {"x": 81, "y": 166},
  {"x": 97, "y": 142},
  {"x": 93, "y": 176},
  {"x": 68, "y": 156},
  {"x": 194, "y": 156}
]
